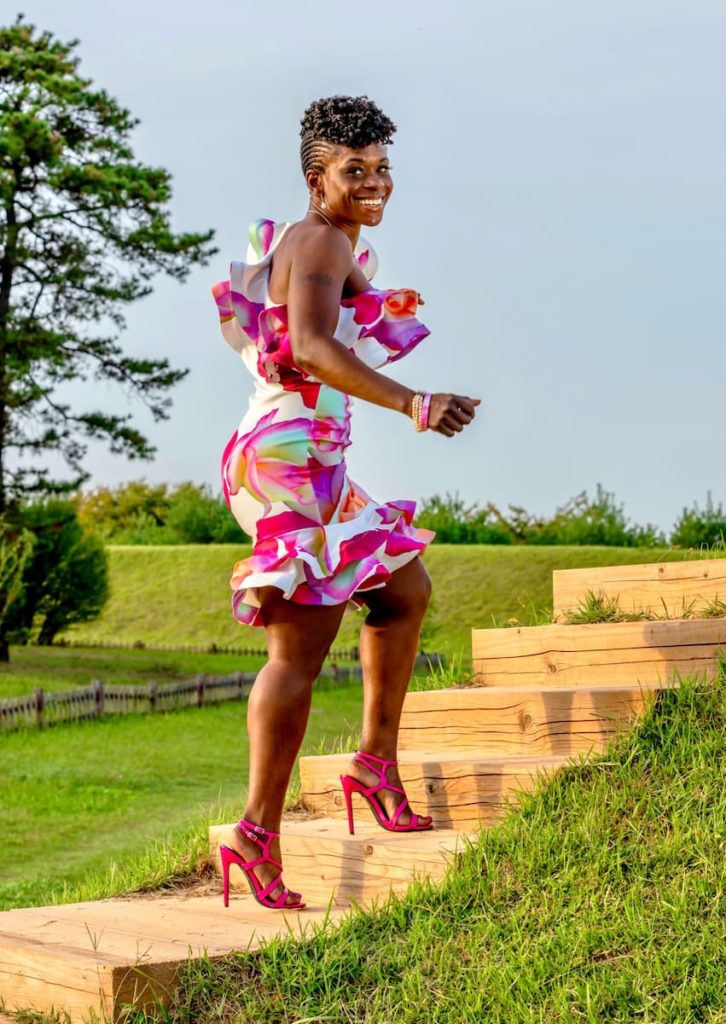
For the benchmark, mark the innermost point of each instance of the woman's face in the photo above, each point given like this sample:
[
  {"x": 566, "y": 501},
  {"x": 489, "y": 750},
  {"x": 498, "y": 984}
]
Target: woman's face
[{"x": 355, "y": 184}]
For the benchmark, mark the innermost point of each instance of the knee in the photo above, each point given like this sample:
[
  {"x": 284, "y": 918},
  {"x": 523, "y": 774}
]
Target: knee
[
  {"x": 421, "y": 593},
  {"x": 284, "y": 678},
  {"x": 407, "y": 601}
]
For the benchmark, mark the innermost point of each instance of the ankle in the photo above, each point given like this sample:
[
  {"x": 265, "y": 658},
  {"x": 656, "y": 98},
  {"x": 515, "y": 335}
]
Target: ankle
[
  {"x": 266, "y": 819},
  {"x": 384, "y": 751}
]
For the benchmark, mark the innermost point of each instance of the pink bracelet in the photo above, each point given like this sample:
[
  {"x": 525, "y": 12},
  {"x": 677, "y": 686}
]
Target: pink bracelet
[{"x": 425, "y": 411}]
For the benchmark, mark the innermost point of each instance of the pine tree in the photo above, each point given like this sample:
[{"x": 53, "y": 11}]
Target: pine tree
[{"x": 84, "y": 226}]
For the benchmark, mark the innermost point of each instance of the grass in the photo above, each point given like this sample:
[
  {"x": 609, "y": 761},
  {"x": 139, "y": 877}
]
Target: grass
[
  {"x": 98, "y": 808},
  {"x": 474, "y": 585},
  {"x": 601, "y": 901},
  {"x": 604, "y": 608},
  {"x": 60, "y": 668}
]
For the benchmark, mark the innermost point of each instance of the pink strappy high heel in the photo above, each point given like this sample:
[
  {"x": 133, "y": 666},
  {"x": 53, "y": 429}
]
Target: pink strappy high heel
[
  {"x": 352, "y": 785},
  {"x": 261, "y": 893}
]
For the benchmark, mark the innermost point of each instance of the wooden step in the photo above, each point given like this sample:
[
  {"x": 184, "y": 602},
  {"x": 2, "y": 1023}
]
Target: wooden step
[
  {"x": 599, "y": 654},
  {"x": 518, "y": 720},
  {"x": 323, "y": 861},
  {"x": 666, "y": 588},
  {"x": 459, "y": 790},
  {"x": 99, "y": 957}
]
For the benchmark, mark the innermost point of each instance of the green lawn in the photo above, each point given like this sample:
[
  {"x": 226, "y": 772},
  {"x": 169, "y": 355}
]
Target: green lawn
[
  {"x": 602, "y": 901},
  {"x": 180, "y": 595},
  {"x": 88, "y": 804}
]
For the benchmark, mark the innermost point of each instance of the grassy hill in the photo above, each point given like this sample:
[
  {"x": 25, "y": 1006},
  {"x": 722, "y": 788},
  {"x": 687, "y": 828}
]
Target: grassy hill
[
  {"x": 601, "y": 901},
  {"x": 180, "y": 595}
]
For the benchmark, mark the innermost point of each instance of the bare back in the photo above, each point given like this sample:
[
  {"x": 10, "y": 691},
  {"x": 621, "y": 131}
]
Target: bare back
[{"x": 297, "y": 239}]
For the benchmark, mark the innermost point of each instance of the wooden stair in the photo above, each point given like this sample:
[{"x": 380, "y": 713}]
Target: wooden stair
[
  {"x": 510, "y": 720},
  {"x": 543, "y": 695},
  {"x": 325, "y": 863}
]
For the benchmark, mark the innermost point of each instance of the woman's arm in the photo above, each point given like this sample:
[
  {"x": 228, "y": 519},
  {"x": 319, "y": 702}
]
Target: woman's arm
[{"x": 318, "y": 271}]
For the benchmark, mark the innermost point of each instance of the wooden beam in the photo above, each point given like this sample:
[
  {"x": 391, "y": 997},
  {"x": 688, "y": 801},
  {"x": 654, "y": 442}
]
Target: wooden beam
[
  {"x": 459, "y": 790},
  {"x": 666, "y": 588},
  {"x": 100, "y": 957},
  {"x": 602, "y": 654},
  {"x": 325, "y": 863},
  {"x": 520, "y": 720}
]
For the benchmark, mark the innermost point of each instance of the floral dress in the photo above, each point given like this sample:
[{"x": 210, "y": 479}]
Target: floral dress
[{"x": 318, "y": 536}]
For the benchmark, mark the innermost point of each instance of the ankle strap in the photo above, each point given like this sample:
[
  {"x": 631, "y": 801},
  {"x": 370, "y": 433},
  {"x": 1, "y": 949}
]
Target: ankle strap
[
  {"x": 255, "y": 832},
  {"x": 381, "y": 761}
]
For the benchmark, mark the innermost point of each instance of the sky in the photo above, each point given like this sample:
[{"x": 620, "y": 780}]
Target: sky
[{"x": 558, "y": 202}]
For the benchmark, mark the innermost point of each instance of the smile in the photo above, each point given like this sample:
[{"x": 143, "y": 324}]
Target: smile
[{"x": 371, "y": 202}]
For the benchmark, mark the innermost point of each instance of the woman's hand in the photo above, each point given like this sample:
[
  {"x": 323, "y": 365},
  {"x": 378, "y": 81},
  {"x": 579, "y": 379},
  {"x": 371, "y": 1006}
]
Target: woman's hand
[{"x": 449, "y": 414}]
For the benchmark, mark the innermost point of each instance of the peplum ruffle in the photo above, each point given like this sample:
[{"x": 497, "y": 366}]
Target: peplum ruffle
[{"x": 318, "y": 536}]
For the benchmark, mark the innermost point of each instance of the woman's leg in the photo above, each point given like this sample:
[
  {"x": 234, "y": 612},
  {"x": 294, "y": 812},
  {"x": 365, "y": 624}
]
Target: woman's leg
[
  {"x": 298, "y": 640},
  {"x": 389, "y": 642}
]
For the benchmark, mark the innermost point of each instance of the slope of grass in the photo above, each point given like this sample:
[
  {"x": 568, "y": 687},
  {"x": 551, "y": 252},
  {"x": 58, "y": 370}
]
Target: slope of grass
[
  {"x": 601, "y": 900},
  {"x": 180, "y": 595},
  {"x": 96, "y": 808}
]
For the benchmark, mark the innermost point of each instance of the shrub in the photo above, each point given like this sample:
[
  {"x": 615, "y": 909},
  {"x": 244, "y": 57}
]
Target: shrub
[
  {"x": 698, "y": 527},
  {"x": 15, "y": 549},
  {"x": 598, "y": 520},
  {"x": 581, "y": 520},
  {"x": 65, "y": 577},
  {"x": 197, "y": 517},
  {"x": 141, "y": 513},
  {"x": 109, "y": 512},
  {"x": 456, "y": 523}
]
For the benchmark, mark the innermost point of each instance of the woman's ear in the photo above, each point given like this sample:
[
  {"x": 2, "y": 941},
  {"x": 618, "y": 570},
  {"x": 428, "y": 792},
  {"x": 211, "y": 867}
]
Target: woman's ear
[{"x": 314, "y": 181}]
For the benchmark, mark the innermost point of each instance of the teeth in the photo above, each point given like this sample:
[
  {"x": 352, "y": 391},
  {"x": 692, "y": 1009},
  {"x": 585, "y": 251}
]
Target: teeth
[{"x": 371, "y": 202}]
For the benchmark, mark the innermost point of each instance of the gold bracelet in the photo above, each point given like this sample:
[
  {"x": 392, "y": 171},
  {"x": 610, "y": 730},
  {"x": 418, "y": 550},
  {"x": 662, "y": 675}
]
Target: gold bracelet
[{"x": 417, "y": 410}]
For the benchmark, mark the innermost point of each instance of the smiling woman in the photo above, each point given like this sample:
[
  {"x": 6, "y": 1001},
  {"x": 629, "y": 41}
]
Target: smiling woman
[{"x": 314, "y": 332}]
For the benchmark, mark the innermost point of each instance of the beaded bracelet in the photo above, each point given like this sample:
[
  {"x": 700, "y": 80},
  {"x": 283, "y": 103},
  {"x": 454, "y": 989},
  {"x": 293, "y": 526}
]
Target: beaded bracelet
[{"x": 420, "y": 410}]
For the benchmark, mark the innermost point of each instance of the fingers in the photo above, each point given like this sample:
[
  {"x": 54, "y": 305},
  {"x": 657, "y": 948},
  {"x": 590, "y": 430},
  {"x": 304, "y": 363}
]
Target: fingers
[
  {"x": 451, "y": 413},
  {"x": 462, "y": 410},
  {"x": 468, "y": 404},
  {"x": 454, "y": 421}
]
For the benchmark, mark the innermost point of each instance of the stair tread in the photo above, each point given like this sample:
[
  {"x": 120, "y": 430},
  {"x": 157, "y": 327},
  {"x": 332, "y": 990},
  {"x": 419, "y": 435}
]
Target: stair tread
[
  {"x": 336, "y": 829},
  {"x": 455, "y": 756},
  {"x": 171, "y": 923},
  {"x": 520, "y": 691}
]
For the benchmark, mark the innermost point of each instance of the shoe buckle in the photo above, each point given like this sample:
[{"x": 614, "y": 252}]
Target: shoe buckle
[{"x": 257, "y": 828}]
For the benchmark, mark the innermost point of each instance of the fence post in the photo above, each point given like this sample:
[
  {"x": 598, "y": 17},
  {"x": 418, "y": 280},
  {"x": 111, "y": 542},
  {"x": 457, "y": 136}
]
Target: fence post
[
  {"x": 238, "y": 681},
  {"x": 200, "y": 691},
  {"x": 152, "y": 696},
  {"x": 98, "y": 696},
  {"x": 39, "y": 705}
]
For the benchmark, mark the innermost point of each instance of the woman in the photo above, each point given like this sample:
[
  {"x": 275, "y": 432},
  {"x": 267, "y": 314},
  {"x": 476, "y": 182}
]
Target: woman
[{"x": 312, "y": 330}]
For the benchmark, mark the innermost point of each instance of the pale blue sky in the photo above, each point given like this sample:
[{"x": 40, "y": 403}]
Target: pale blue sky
[{"x": 559, "y": 203}]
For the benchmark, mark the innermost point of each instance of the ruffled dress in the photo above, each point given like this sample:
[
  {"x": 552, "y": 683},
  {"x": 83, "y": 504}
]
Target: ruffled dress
[{"x": 317, "y": 535}]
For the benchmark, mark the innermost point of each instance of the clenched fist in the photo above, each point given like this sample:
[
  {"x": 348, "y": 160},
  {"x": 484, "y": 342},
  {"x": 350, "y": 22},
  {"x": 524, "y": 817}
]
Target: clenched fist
[{"x": 449, "y": 414}]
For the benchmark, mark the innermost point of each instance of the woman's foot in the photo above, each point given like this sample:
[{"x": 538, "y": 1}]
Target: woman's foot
[
  {"x": 248, "y": 849},
  {"x": 388, "y": 799}
]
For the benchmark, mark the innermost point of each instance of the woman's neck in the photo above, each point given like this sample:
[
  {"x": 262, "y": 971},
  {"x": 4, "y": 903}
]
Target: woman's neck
[{"x": 351, "y": 231}]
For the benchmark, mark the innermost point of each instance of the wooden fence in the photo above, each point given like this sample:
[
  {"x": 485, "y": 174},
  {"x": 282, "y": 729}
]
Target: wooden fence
[
  {"x": 50, "y": 707},
  {"x": 344, "y": 654}
]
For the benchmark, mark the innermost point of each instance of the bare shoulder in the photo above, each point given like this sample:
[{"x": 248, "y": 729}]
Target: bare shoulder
[
  {"x": 310, "y": 256},
  {"x": 318, "y": 245}
]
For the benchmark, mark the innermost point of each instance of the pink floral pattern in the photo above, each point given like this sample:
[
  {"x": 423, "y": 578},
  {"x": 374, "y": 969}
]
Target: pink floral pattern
[{"x": 319, "y": 537}]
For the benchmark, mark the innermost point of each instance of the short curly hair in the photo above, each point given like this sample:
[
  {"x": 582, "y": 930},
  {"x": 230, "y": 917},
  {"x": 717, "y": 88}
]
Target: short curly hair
[{"x": 353, "y": 121}]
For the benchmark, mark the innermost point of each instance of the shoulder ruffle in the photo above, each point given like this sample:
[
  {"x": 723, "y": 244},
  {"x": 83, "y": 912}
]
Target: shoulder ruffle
[
  {"x": 379, "y": 326},
  {"x": 389, "y": 328}
]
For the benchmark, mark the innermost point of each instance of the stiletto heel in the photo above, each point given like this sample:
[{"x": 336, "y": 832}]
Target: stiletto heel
[
  {"x": 348, "y": 793},
  {"x": 352, "y": 785},
  {"x": 261, "y": 892}
]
